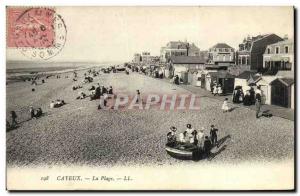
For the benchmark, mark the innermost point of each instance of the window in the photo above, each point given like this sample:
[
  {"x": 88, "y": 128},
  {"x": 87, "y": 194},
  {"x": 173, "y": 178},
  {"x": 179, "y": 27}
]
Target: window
[
  {"x": 286, "y": 49},
  {"x": 277, "y": 50},
  {"x": 268, "y": 50},
  {"x": 239, "y": 61}
]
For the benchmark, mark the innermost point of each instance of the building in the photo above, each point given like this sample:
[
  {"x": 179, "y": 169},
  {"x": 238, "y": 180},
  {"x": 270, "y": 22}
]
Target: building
[
  {"x": 264, "y": 83},
  {"x": 178, "y": 48},
  {"x": 137, "y": 58},
  {"x": 279, "y": 59},
  {"x": 205, "y": 55},
  {"x": 146, "y": 58},
  {"x": 221, "y": 54},
  {"x": 251, "y": 50},
  {"x": 183, "y": 66}
]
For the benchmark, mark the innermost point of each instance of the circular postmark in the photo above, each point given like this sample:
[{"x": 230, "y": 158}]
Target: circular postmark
[{"x": 40, "y": 33}]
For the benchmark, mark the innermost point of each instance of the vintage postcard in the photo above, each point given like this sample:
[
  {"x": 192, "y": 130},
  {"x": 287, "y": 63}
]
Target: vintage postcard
[{"x": 150, "y": 98}]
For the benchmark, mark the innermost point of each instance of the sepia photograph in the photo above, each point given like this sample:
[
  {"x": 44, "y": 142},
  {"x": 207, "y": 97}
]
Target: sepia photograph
[{"x": 150, "y": 98}]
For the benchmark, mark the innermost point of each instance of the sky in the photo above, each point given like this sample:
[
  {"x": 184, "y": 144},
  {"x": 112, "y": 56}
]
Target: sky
[{"x": 102, "y": 34}]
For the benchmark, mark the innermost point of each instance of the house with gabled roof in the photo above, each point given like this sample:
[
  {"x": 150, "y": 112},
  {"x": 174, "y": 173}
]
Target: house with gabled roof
[
  {"x": 251, "y": 50},
  {"x": 178, "y": 48},
  {"x": 221, "y": 54}
]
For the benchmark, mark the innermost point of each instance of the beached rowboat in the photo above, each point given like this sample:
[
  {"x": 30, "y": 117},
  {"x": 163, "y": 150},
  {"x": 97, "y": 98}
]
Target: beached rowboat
[{"x": 183, "y": 153}]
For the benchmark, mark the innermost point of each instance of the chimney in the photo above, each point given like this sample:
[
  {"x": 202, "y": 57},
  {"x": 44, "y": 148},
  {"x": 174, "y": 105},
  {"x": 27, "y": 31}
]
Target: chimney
[{"x": 285, "y": 37}]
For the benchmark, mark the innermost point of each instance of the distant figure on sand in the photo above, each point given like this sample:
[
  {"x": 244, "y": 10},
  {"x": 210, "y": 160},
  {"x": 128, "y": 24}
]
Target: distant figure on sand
[
  {"x": 14, "y": 118},
  {"x": 138, "y": 96},
  {"x": 258, "y": 106},
  {"x": 31, "y": 111},
  {"x": 110, "y": 90}
]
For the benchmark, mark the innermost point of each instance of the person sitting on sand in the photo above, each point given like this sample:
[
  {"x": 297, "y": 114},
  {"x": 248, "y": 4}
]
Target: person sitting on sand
[
  {"x": 38, "y": 113},
  {"x": 52, "y": 104},
  {"x": 59, "y": 103},
  {"x": 82, "y": 95},
  {"x": 92, "y": 88}
]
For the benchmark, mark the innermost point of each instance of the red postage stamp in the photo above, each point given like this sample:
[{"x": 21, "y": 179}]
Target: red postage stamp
[
  {"x": 39, "y": 32},
  {"x": 32, "y": 27}
]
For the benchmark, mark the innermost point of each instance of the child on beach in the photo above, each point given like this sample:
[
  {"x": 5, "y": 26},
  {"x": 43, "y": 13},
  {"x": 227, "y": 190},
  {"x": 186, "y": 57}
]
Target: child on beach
[{"x": 225, "y": 106}]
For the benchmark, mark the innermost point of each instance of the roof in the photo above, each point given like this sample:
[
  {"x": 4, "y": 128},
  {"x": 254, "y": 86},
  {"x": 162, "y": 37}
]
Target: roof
[
  {"x": 266, "y": 79},
  {"x": 288, "y": 41},
  {"x": 285, "y": 81},
  {"x": 221, "y": 74},
  {"x": 177, "y": 44},
  {"x": 187, "y": 60},
  {"x": 247, "y": 74},
  {"x": 180, "y": 45},
  {"x": 221, "y": 45}
]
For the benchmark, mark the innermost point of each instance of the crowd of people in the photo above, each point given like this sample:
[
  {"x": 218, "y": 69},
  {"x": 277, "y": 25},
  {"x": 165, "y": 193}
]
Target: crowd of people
[{"x": 193, "y": 139}]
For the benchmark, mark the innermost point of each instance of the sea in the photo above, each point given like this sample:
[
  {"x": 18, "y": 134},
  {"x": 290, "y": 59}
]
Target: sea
[{"x": 20, "y": 70}]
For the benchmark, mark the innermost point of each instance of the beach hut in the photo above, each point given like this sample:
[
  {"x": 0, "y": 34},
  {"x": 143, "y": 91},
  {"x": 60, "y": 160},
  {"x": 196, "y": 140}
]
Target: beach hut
[
  {"x": 246, "y": 79},
  {"x": 184, "y": 66},
  {"x": 223, "y": 78},
  {"x": 265, "y": 87},
  {"x": 281, "y": 92}
]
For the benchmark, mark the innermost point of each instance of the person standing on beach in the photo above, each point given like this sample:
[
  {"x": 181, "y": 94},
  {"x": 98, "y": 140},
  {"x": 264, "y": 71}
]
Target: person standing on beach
[
  {"x": 258, "y": 106},
  {"x": 31, "y": 111},
  {"x": 138, "y": 96},
  {"x": 213, "y": 135},
  {"x": 200, "y": 137},
  {"x": 207, "y": 146},
  {"x": 13, "y": 117},
  {"x": 225, "y": 106}
]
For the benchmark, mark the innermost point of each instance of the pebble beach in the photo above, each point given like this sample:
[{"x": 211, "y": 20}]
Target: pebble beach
[{"x": 79, "y": 134}]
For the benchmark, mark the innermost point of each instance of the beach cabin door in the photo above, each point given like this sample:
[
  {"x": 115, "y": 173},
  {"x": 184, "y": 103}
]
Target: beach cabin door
[{"x": 264, "y": 93}]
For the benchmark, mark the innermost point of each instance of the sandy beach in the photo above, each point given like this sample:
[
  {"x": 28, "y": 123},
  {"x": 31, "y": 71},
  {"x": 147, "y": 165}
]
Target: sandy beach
[{"x": 77, "y": 133}]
